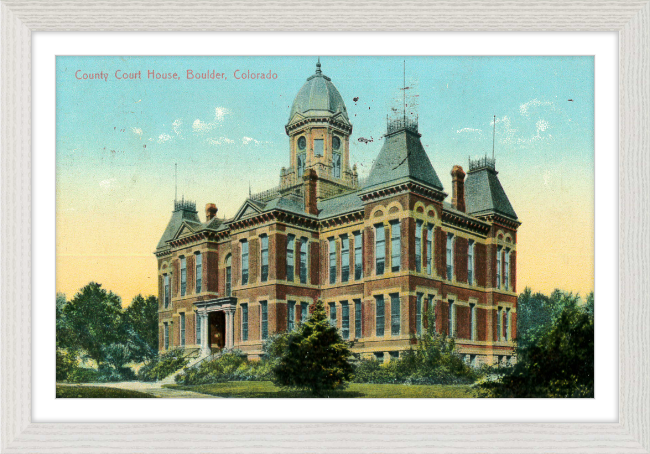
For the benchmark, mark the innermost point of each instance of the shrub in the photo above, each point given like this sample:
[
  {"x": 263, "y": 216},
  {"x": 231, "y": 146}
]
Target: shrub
[
  {"x": 83, "y": 375},
  {"x": 163, "y": 365},
  {"x": 232, "y": 366},
  {"x": 315, "y": 358},
  {"x": 65, "y": 364}
]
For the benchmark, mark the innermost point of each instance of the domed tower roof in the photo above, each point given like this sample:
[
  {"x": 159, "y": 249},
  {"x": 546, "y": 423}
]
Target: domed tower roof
[{"x": 317, "y": 97}]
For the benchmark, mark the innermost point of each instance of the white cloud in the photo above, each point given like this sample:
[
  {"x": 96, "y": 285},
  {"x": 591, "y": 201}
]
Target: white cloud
[
  {"x": 107, "y": 185},
  {"x": 137, "y": 132},
  {"x": 220, "y": 141},
  {"x": 249, "y": 140},
  {"x": 542, "y": 125},
  {"x": 162, "y": 138},
  {"x": 205, "y": 126},
  {"x": 176, "y": 125},
  {"x": 220, "y": 113},
  {"x": 525, "y": 107},
  {"x": 471, "y": 130}
]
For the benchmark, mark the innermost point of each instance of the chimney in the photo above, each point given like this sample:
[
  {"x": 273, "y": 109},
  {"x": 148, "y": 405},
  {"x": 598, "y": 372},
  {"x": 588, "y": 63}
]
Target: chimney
[
  {"x": 310, "y": 178},
  {"x": 210, "y": 211},
  {"x": 458, "y": 188}
]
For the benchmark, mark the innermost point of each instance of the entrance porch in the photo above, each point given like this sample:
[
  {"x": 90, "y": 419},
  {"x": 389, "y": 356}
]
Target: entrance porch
[{"x": 217, "y": 319}]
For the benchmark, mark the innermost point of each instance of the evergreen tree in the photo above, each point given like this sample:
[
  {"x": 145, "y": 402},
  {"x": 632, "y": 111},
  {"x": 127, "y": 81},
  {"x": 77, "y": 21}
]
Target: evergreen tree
[{"x": 316, "y": 357}]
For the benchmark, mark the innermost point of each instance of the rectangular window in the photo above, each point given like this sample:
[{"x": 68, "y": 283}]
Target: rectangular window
[
  {"x": 418, "y": 246},
  {"x": 345, "y": 258},
  {"x": 507, "y": 322},
  {"x": 291, "y": 315},
  {"x": 470, "y": 262},
  {"x": 506, "y": 271},
  {"x": 304, "y": 270},
  {"x": 182, "y": 323},
  {"x": 264, "y": 317},
  {"x": 264, "y": 258},
  {"x": 499, "y": 319},
  {"x": 304, "y": 312},
  {"x": 244, "y": 262},
  {"x": 197, "y": 329},
  {"x": 332, "y": 249},
  {"x": 166, "y": 279},
  {"x": 199, "y": 271},
  {"x": 379, "y": 322},
  {"x": 395, "y": 307},
  {"x": 358, "y": 316},
  {"x": 228, "y": 280},
  {"x": 333, "y": 314},
  {"x": 290, "y": 259},
  {"x": 244, "y": 322},
  {"x": 429, "y": 248},
  {"x": 380, "y": 248},
  {"x": 450, "y": 256},
  {"x": 318, "y": 147},
  {"x": 379, "y": 356},
  {"x": 418, "y": 313},
  {"x": 183, "y": 276},
  {"x": 358, "y": 256},
  {"x": 166, "y": 337},
  {"x": 499, "y": 267},
  {"x": 431, "y": 312},
  {"x": 472, "y": 321},
  {"x": 345, "y": 320},
  {"x": 393, "y": 355},
  {"x": 451, "y": 328},
  {"x": 396, "y": 246}
]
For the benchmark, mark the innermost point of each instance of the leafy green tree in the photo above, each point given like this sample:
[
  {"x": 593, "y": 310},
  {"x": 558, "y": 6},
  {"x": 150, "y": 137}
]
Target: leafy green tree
[
  {"x": 93, "y": 320},
  {"x": 558, "y": 361},
  {"x": 316, "y": 357},
  {"x": 142, "y": 318}
]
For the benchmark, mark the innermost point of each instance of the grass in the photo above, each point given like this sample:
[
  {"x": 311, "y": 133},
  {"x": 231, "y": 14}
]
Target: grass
[
  {"x": 266, "y": 389},
  {"x": 68, "y": 392}
]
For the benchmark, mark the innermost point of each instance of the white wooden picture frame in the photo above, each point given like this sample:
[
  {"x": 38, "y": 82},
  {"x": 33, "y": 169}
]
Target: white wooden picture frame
[{"x": 631, "y": 19}]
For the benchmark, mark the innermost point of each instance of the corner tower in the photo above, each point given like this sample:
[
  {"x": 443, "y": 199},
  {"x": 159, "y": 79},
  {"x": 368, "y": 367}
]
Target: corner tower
[{"x": 319, "y": 138}]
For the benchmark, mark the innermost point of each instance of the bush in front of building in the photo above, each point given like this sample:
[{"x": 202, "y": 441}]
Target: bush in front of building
[
  {"x": 557, "y": 362},
  {"x": 231, "y": 366},
  {"x": 163, "y": 365},
  {"x": 316, "y": 357}
]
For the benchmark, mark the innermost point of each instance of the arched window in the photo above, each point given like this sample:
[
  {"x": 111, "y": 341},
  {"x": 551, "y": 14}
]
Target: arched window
[
  {"x": 228, "y": 275},
  {"x": 336, "y": 165}
]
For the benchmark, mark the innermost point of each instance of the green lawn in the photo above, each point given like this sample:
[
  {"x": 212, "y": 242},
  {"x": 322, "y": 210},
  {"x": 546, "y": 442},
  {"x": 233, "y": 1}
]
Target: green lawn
[
  {"x": 265, "y": 389},
  {"x": 96, "y": 392}
]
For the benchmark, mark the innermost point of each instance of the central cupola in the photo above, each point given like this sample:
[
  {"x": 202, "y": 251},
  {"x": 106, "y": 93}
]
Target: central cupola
[{"x": 319, "y": 136}]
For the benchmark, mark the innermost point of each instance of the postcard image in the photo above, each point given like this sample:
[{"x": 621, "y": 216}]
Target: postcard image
[{"x": 355, "y": 227}]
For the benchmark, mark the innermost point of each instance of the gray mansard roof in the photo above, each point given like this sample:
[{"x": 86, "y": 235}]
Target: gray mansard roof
[
  {"x": 179, "y": 215},
  {"x": 484, "y": 194},
  {"x": 402, "y": 157},
  {"x": 343, "y": 204}
]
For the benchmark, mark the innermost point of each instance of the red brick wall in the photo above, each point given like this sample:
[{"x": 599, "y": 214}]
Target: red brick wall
[
  {"x": 176, "y": 277},
  {"x": 481, "y": 324},
  {"x": 460, "y": 265},
  {"x": 324, "y": 264},
  {"x": 442, "y": 317},
  {"x": 495, "y": 317},
  {"x": 280, "y": 256},
  {"x": 253, "y": 260},
  {"x": 408, "y": 314},
  {"x": 189, "y": 263},
  {"x": 369, "y": 251},
  {"x": 480, "y": 269},
  {"x": 513, "y": 328},
  {"x": 314, "y": 263},
  {"x": 210, "y": 271},
  {"x": 462, "y": 322},
  {"x": 441, "y": 252},
  {"x": 513, "y": 270},
  {"x": 368, "y": 324},
  {"x": 407, "y": 251},
  {"x": 235, "y": 268}
]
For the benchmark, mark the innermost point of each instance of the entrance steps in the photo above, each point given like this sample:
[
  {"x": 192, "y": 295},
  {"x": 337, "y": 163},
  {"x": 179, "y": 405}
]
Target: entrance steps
[{"x": 194, "y": 362}]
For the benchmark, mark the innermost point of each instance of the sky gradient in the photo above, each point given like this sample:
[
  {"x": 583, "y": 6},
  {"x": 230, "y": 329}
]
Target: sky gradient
[{"x": 118, "y": 141}]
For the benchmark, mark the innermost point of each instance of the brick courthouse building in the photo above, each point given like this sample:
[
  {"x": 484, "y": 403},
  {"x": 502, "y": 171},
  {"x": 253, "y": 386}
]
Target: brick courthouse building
[{"x": 379, "y": 254}]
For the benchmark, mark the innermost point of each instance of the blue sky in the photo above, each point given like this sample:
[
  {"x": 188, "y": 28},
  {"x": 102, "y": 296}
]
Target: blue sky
[{"x": 118, "y": 140}]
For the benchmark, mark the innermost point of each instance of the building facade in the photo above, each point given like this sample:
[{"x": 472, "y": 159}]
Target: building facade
[{"x": 381, "y": 255}]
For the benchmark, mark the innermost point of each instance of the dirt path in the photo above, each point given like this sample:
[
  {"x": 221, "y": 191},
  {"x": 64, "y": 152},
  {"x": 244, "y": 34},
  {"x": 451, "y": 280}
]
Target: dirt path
[{"x": 155, "y": 389}]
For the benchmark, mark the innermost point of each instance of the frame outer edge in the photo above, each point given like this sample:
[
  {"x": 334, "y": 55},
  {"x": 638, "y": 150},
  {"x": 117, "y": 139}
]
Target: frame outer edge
[
  {"x": 15, "y": 310},
  {"x": 19, "y": 434},
  {"x": 634, "y": 226}
]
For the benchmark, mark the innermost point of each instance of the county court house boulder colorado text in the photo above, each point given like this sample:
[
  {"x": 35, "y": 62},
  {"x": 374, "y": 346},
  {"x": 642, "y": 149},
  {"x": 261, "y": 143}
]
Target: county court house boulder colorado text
[{"x": 379, "y": 254}]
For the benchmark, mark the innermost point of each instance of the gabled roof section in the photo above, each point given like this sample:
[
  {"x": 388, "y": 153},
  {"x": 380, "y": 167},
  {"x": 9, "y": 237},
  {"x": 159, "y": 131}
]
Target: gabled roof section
[
  {"x": 187, "y": 228},
  {"x": 485, "y": 195},
  {"x": 183, "y": 211},
  {"x": 402, "y": 157},
  {"x": 249, "y": 208}
]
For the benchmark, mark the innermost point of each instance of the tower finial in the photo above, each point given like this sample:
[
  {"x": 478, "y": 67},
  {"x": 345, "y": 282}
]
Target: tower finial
[{"x": 318, "y": 71}]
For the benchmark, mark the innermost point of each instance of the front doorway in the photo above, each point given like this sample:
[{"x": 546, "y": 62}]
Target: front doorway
[{"x": 217, "y": 322}]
